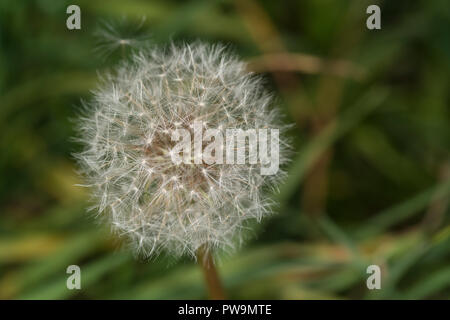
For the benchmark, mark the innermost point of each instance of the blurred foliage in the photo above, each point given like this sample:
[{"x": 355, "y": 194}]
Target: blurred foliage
[{"x": 369, "y": 183}]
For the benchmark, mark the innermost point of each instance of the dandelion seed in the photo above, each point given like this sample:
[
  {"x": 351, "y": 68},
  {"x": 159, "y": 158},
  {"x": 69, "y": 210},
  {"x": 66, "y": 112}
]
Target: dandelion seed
[{"x": 122, "y": 35}]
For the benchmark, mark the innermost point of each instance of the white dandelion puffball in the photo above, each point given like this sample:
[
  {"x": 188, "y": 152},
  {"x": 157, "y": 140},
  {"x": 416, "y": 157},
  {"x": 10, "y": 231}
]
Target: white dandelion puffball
[{"x": 128, "y": 157}]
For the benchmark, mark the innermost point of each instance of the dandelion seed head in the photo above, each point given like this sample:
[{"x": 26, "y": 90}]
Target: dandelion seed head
[{"x": 126, "y": 133}]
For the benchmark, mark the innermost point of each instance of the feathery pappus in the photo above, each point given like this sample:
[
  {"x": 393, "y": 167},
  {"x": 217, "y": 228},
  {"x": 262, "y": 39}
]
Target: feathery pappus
[{"x": 127, "y": 134}]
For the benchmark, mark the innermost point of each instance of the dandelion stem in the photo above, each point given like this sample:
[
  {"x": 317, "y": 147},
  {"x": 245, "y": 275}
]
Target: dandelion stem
[
  {"x": 122, "y": 51},
  {"x": 212, "y": 279}
]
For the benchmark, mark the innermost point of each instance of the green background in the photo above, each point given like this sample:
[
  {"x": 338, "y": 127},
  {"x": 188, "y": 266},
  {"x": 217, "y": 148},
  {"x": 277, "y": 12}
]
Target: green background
[{"x": 368, "y": 184}]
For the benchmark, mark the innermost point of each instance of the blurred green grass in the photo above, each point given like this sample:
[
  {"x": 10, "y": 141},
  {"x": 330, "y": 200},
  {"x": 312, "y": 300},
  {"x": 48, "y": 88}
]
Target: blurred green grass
[{"x": 369, "y": 182}]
